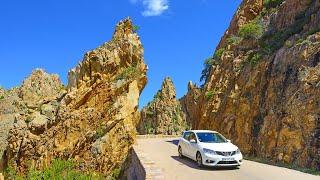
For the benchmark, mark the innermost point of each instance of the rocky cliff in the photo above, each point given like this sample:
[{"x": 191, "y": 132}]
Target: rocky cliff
[
  {"x": 92, "y": 121},
  {"x": 262, "y": 84},
  {"x": 33, "y": 105},
  {"x": 191, "y": 105},
  {"x": 163, "y": 115}
]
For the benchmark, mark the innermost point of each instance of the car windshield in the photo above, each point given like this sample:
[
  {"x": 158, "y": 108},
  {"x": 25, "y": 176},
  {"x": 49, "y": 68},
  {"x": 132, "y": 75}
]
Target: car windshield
[{"x": 208, "y": 137}]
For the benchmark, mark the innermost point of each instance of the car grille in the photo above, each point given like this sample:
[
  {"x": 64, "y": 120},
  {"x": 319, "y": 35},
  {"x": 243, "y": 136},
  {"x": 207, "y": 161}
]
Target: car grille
[
  {"x": 227, "y": 162},
  {"x": 231, "y": 153}
]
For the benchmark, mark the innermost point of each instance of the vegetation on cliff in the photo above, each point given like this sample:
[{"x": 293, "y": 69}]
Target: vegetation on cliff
[
  {"x": 59, "y": 169},
  {"x": 264, "y": 92}
]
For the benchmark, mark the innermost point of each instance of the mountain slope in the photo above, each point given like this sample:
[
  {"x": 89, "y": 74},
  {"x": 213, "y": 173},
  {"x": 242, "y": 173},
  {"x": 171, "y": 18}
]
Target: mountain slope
[{"x": 262, "y": 84}]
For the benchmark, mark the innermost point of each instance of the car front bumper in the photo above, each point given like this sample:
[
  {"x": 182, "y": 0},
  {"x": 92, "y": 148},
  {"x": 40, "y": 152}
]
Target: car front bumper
[{"x": 225, "y": 161}]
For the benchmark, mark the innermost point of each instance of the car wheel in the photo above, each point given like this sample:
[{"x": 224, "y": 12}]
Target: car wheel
[
  {"x": 180, "y": 152},
  {"x": 199, "y": 159}
]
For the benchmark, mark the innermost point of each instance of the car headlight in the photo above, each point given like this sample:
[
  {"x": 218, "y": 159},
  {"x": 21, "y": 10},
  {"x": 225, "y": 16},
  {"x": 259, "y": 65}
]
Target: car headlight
[
  {"x": 209, "y": 151},
  {"x": 238, "y": 151}
]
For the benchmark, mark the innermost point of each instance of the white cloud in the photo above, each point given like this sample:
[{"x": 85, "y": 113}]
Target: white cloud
[{"x": 153, "y": 7}]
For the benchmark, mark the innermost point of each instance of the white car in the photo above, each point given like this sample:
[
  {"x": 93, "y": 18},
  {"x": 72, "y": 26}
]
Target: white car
[{"x": 209, "y": 148}]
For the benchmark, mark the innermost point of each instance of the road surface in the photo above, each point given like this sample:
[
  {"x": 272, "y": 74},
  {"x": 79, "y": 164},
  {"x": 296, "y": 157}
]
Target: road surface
[{"x": 163, "y": 151}]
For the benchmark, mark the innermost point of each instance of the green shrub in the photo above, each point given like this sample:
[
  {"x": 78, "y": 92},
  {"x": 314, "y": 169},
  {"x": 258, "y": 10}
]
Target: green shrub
[
  {"x": 10, "y": 173},
  {"x": 210, "y": 94},
  {"x": 288, "y": 44},
  {"x": 149, "y": 113},
  {"x": 62, "y": 87},
  {"x": 272, "y": 3},
  {"x": 157, "y": 96},
  {"x": 59, "y": 169},
  {"x": 235, "y": 40},
  {"x": 254, "y": 58},
  {"x": 204, "y": 74},
  {"x": 1, "y": 97},
  {"x": 209, "y": 62},
  {"x": 135, "y": 28},
  {"x": 151, "y": 130},
  {"x": 273, "y": 40},
  {"x": 115, "y": 174},
  {"x": 148, "y": 128},
  {"x": 28, "y": 120},
  {"x": 270, "y": 44},
  {"x": 175, "y": 118},
  {"x": 34, "y": 174},
  {"x": 303, "y": 41},
  {"x": 314, "y": 30},
  {"x": 218, "y": 53},
  {"x": 129, "y": 73},
  {"x": 99, "y": 132},
  {"x": 251, "y": 30},
  {"x": 176, "y": 129},
  {"x": 300, "y": 41}
]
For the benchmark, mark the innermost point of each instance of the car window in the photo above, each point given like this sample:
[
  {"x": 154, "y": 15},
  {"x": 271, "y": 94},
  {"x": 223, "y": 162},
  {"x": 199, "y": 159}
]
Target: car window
[
  {"x": 211, "y": 138},
  {"x": 192, "y": 136},
  {"x": 186, "y": 135}
]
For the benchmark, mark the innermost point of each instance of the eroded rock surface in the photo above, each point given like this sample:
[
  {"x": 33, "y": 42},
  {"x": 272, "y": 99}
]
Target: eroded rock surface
[
  {"x": 191, "y": 105},
  {"x": 164, "y": 114},
  {"x": 93, "y": 120},
  {"x": 20, "y": 106},
  {"x": 263, "y": 92}
]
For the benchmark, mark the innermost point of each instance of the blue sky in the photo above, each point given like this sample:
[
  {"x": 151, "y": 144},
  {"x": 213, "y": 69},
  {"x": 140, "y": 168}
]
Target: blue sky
[{"x": 178, "y": 35}]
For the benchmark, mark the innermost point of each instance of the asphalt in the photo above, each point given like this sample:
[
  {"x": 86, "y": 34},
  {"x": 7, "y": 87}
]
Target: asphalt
[{"x": 163, "y": 151}]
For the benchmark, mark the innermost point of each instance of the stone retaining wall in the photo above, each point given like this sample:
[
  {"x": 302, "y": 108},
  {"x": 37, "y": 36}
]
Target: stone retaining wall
[{"x": 140, "y": 166}]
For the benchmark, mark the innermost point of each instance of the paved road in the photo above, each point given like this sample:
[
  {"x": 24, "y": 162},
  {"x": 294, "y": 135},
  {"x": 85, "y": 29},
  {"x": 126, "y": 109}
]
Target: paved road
[{"x": 163, "y": 151}]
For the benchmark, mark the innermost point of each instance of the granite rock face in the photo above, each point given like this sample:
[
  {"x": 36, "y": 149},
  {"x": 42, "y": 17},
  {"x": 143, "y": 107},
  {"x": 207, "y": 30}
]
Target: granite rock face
[
  {"x": 39, "y": 87},
  {"x": 191, "y": 105},
  {"x": 91, "y": 121},
  {"x": 164, "y": 114},
  {"x": 248, "y": 10},
  {"x": 20, "y": 106},
  {"x": 263, "y": 91}
]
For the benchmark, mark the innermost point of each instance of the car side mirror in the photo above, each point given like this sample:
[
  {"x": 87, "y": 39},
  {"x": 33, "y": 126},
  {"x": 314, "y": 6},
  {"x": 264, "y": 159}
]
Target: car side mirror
[
  {"x": 228, "y": 140},
  {"x": 193, "y": 141}
]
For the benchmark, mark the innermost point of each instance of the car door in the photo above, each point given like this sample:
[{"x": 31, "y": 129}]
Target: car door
[
  {"x": 193, "y": 146},
  {"x": 185, "y": 143}
]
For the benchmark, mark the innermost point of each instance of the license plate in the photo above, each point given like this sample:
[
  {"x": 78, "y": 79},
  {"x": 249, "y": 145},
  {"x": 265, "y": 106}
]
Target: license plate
[{"x": 227, "y": 159}]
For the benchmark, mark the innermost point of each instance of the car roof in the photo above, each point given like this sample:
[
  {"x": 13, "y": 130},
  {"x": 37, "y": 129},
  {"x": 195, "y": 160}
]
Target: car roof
[{"x": 202, "y": 131}]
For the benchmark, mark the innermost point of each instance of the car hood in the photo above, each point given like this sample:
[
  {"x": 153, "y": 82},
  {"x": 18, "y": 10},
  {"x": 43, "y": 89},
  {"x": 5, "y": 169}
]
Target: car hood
[{"x": 224, "y": 147}]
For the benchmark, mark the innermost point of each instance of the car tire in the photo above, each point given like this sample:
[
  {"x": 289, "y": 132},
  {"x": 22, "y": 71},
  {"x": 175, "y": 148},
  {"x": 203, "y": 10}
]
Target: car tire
[
  {"x": 199, "y": 159},
  {"x": 180, "y": 152}
]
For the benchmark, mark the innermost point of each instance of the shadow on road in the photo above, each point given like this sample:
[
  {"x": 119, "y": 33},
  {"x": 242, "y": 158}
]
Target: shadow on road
[
  {"x": 174, "y": 142},
  {"x": 192, "y": 164}
]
